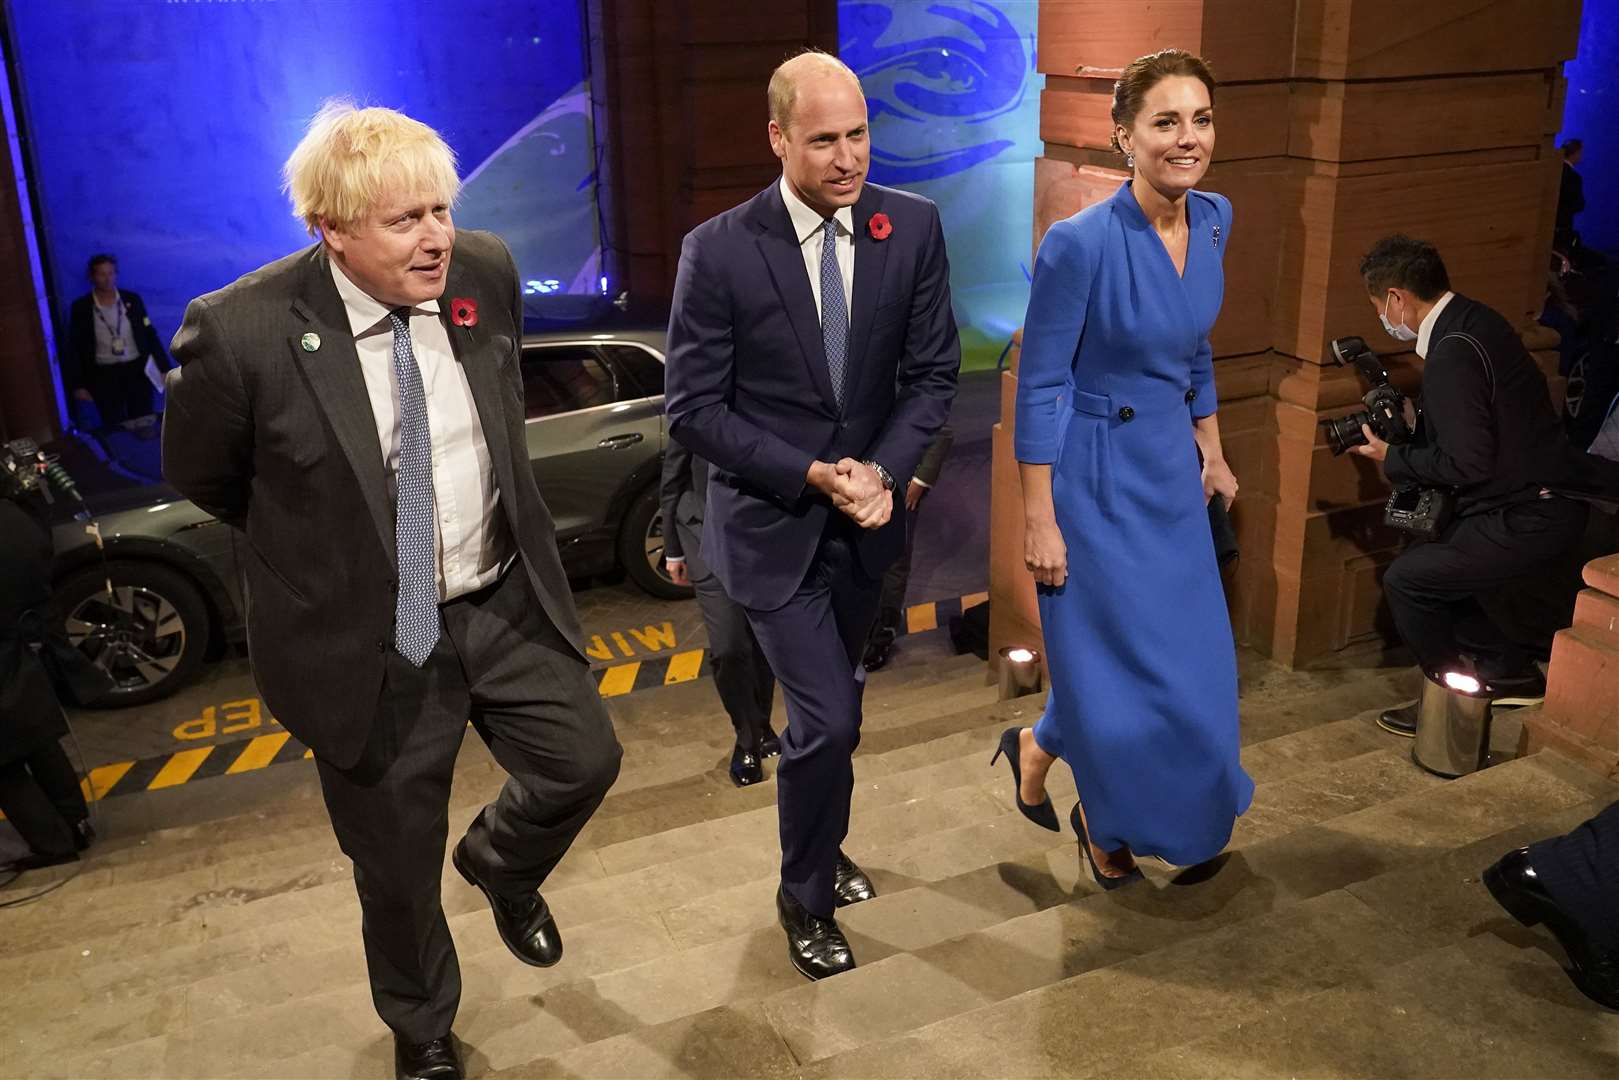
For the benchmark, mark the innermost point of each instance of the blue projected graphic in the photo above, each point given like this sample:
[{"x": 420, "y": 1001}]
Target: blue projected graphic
[
  {"x": 1593, "y": 97},
  {"x": 954, "y": 101},
  {"x": 158, "y": 130},
  {"x": 973, "y": 76}
]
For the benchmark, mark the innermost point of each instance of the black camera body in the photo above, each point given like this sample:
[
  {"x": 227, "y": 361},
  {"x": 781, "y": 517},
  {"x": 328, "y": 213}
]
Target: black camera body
[{"x": 1385, "y": 405}]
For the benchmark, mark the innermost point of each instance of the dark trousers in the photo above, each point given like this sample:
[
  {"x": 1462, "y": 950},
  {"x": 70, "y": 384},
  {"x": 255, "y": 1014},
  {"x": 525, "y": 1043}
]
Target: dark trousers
[
  {"x": 122, "y": 391},
  {"x": 897, "y": 579},
  {"x": 814, "y": 643},
  {"x": 742, "y": 675},
  {"x": 503, "y": 665},
  {"x": 1581, "y": 871},
  {"x": 41, "y": 797},
  {"x": 1489, "y": 587}
]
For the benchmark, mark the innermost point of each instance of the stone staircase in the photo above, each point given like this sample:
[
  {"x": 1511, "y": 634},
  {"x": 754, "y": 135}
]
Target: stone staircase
[{"x": 1346, "y": 934}]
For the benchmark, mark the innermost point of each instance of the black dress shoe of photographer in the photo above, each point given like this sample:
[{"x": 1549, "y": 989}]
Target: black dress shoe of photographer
[
  {"x": 770, "y": 745},
  {"x": 84, "y": 834},
  {"x": 435, "y": 1059},
  {"x": 815, "y": 945},
  {"x": 1516, "y": 887},
  {"x": 745, "y": 767},
  {"x": 850, "y": 883},
  {"x": 1400, "y": 721},
  {"x": 524, "y": 922},
  {"x": 1526, "y": 689}
]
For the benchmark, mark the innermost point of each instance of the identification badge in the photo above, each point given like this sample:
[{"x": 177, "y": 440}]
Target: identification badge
[{"x": 118, "y": 347}]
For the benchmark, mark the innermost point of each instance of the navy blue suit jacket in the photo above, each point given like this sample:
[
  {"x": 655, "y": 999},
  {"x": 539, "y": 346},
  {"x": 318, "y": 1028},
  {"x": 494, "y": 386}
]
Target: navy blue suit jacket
[{"x": 748, "y": 388}]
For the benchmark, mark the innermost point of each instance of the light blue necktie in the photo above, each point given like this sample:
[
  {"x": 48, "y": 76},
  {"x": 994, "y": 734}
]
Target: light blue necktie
[
  {"x": 834, "y": 311},
  {"x": 416, "y": 618}
]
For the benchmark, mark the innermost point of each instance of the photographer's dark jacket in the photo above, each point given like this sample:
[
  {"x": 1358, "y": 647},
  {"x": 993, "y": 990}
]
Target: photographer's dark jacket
[{"x": 1487, "y": 428}]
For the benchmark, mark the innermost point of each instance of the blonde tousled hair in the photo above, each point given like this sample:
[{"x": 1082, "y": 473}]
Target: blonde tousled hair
[{"x": 350, "y": 156}]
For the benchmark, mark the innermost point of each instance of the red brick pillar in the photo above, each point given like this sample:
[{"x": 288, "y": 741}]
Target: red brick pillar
[{"x": 1581, "y": 714}]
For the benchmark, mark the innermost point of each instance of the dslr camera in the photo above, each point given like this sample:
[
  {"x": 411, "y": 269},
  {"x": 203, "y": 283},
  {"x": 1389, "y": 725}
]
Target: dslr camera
[
  {"x": 1385, "y": 406},
  {"x": 27, "y": 471}
]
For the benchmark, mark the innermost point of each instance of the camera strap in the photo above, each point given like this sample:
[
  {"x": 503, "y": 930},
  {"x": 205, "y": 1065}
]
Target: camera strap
[{"x": 1483, "y": 355}]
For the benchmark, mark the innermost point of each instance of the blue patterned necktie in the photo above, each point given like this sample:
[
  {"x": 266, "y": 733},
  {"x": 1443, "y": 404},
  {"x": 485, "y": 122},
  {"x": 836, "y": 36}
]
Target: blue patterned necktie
[
  {"x": 416, "y": 618},
  {"x": 834, "y": 310}
]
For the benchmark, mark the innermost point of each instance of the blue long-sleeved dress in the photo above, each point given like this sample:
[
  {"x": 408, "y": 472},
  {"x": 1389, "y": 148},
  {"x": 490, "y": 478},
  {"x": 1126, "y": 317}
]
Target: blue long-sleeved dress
[{"x": 1115, "y": 366}]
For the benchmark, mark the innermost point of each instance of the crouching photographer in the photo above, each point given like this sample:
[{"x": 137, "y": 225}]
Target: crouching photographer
[
  {"x": 39, "y": 789},
  {"x": 1482, "y": 476}
]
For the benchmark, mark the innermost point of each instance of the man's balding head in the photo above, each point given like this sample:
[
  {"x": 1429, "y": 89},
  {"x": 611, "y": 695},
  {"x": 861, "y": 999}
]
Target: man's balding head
[
  {"x": 818, "y": 130},
  {"x": 809, "y": 65}
]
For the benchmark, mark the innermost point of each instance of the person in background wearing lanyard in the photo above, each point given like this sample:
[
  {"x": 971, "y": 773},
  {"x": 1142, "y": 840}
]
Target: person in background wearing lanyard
[{"x": 110, "y": 341}]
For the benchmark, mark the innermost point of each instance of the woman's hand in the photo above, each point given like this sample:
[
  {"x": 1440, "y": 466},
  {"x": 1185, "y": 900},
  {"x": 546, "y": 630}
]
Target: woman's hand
[
  {"x": 1218, "y": 479},
  {"x": 1044, "y": 552}
]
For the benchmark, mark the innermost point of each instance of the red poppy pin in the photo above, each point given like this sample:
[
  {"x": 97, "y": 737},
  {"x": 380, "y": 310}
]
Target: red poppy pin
[
  {"x": 879, "y": 226},
  {"x": 464, "y": 312}
]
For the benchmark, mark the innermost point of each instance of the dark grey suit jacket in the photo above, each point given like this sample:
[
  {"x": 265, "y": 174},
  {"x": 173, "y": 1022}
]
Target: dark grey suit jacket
[{"x": 279, "y": 441}]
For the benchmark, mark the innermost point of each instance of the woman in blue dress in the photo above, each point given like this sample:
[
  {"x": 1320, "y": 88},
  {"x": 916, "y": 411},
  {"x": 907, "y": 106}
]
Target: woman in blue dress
[{"x": 1115, "y": 409}]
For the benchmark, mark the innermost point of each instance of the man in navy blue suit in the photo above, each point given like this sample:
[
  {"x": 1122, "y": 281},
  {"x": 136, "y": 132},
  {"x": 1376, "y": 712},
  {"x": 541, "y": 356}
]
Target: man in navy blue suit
[{"x": 812, "y": 358}]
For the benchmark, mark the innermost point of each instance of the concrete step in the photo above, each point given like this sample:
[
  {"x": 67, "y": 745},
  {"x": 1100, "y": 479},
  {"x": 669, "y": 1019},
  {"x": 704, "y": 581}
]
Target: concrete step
[
  {"x": 971, "y": 865},
  {"x": 907, "y": 918}
]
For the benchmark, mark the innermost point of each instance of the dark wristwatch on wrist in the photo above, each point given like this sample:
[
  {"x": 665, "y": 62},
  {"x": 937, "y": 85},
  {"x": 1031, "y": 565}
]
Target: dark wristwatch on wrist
[{"x": 882, "y": 474}]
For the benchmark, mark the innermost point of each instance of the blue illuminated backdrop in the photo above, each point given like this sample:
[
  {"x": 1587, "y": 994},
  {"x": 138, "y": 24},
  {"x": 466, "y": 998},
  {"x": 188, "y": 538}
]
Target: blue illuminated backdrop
[
  {"x": 1588, "y": 114},
  {"x": 954, "y": 101},
  {"x": 158, "y": 129}
]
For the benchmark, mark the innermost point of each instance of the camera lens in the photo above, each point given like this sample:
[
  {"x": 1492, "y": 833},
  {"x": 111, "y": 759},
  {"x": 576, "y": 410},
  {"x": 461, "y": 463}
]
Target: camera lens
[{"x": 1345, "y": 432}]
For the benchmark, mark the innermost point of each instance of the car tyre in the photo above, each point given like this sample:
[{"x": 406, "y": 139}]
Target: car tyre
[
  {"x": 640, "y": 547},
  {"x": 150, "y": 635}
]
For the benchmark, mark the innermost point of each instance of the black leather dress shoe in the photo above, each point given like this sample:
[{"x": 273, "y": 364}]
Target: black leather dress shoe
[
  {"x": 851, "y": 883},
  {"x": 770, "y": 745},
  {"x": 1400, "y": 721},
  {"x": 815, "y": 945},
  {"x": 745, "y": 767},
  {"x": 435, "y": 1059},
  {"x": 524, "y": 922},
  {"x": 84, "y": 834},
  {"x": 1516, "y": 887}
]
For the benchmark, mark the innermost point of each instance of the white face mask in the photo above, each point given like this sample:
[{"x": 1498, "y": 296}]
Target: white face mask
[{"x": 1397, "y": 331}]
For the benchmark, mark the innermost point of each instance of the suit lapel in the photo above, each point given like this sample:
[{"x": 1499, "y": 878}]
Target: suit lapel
[
  {"x": 333, "y": 370},
  {"x": 870, "y": 258},
  {"x": 785, "y": 257},
  {"x": 481, "y": 365}
]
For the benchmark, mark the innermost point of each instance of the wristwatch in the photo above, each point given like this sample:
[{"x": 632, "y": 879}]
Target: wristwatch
[{"x": 882, "y": 474}]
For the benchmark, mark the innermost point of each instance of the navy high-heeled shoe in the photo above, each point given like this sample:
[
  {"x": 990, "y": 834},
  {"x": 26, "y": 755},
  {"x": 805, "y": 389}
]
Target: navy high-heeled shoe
[
  {"x": 1044, "y": 815},
  {"x": 1107, "y": 883}
]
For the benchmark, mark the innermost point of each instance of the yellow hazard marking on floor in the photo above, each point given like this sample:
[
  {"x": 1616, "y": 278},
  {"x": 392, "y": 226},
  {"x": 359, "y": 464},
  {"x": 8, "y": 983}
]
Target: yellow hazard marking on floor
[
  {"x": 179, "y": 768},
  {"x": 259, "y": 753},
  {"x": 101, "y": 779},
  {"x": 619, "y": 680},
  {"x": 921, "y": 618},
  {"x": 974, "y": 599},
  {"x": 683, "y": 667}
]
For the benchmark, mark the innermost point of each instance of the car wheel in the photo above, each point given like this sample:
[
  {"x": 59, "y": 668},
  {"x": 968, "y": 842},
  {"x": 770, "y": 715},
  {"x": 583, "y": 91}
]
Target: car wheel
[
  {"x": 149, "y": 633},
  {"x": 640, "y": 547}
]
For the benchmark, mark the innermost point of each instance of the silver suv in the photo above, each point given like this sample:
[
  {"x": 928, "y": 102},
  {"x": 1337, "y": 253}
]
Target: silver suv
[{"x": 594, "y": 396}]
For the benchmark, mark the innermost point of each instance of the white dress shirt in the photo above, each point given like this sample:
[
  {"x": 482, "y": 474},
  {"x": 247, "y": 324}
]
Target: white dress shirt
[
  {"x": 807, "y": 224},
  {"x": 1425, "y": 331},
  {"x": 473, "y": 544}
]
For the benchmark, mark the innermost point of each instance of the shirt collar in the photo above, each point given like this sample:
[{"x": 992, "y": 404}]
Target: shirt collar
[
  {"x": 365, "y": 311},
  {"x": 1425, "y": 331},
  {"x": 807, "y": 222}
]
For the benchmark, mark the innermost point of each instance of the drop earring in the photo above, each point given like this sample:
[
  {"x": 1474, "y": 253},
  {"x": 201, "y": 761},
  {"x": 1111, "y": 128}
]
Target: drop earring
[{"x": 1129, "y": 160}]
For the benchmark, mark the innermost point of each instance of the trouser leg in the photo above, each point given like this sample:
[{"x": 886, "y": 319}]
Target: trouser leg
[
  {"x": 390, "y": 815},
  {"x": 736, "y": 662},
  {"x": 59, "y": 780},
  {"x": 897, "y": 579},
  {"x": 814, "y": 643},
  {"x": 535, "y": 704},
  {"x": 31, "y": 812},
  {"x": 1581, "y": 871}
]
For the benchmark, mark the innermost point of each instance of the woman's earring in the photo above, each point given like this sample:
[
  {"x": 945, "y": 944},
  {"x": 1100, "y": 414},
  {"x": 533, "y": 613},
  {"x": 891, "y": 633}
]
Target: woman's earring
[{"x": 1129, "y": 160}]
